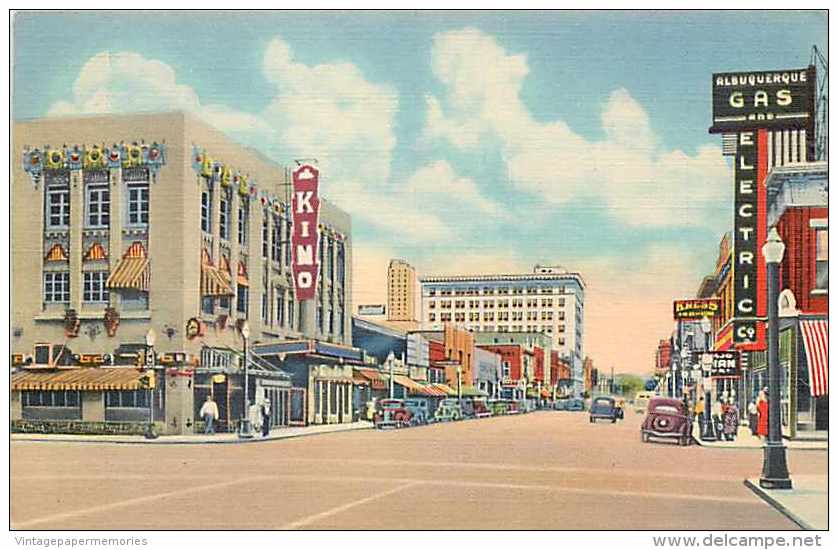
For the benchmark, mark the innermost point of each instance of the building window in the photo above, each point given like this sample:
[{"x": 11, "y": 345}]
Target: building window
[
  {"x": 264, "y": 308},
  {"x": 241, "y": 299},
  {"x": 57, "y": 287},
  {"x": 265, "y": 236},
  {"x": 207, "y": 304},
  {"x": 127, "y": 399},
  {"x": 291, "y": 319},
  {"x": 138, "y": 203},
  {"x": 59, "y": 398},
  {"x": 280, "y": 306},
  {"x": 206, "y": 211},
  {"x": 288, "y": 237},
  {"x": 822, "y": 259},
  {"x": 244, "y": 220},
  {"x": 224, "y": 302},
  {"x": 319, "y": 320},
  {"x": 133, "y": 299},
  {"x": 94, "y": 286},
  {"x": 276, "y": 240},
  {"x": 506, "y": 369},
  {"x": 58, "y": 206},
  {"x": 330, "y": 255},
  {"x": 224, "y": 217},
  {"x": 98, "y": 206},
  {"x": 431, "y": 317}
]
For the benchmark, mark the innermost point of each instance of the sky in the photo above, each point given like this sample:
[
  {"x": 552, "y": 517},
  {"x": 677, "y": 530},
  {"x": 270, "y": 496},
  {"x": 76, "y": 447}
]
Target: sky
[{"x": 462, "y": 142}]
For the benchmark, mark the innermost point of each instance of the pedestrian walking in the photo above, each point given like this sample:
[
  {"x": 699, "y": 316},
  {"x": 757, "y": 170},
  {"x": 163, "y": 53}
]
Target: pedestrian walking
[
  {"x": 762, "y": 413},
  {"x": 266, "y": 418},
  {"x": 731, "y": 420},
  {"x": 753, "y": 417},
  {"x": 718, "y": 424},
  {"x": 209, "y": 412},
  {"x": 699, "y": 414}
]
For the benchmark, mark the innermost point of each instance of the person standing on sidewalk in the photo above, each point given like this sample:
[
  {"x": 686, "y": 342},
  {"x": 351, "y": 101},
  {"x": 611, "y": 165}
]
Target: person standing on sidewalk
[
  {"x": 718, "y": 425},
  {"x": 699, "y": 414},
  {"x": 731, "y": 420},
  {"x": 209, "y": 412},
  {"x": 266, "y": 418},
  {"x": 753, "y": 417},
  {"x": 762, "y": 412}
]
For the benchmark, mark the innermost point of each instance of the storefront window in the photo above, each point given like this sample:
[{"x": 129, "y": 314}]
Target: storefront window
[
  {"x": 60, "y": 398},
  {"x": 822, "y": 259}
]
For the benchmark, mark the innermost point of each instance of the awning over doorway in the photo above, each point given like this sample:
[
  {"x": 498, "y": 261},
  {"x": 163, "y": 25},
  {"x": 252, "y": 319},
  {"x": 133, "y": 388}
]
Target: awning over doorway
[
  {"x": 816, "y": 343},
  {"x": 84, "y": 379},
  {"x": 374, "y": 378}
]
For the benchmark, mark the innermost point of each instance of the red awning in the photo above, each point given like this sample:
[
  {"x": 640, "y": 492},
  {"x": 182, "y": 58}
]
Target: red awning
[
  {"x": 816, "y": 342},
  {"x": 376, "y": 379}
]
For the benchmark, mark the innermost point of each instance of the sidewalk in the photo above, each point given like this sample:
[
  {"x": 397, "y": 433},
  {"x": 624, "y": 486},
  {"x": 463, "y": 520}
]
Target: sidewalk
[
  {"x": 195, "y": 439},
  {"x": 806, "y": 503},
  {"x": 744, "y": 440}
]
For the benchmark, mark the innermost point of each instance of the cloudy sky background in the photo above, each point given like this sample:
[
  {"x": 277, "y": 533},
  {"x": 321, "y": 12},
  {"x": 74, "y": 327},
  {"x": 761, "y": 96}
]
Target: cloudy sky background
[{"x": 461, "y": 142}]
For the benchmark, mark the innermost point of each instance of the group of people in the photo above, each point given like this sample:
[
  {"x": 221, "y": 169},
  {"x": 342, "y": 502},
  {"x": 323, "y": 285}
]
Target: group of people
[
  {"x": 259, "y": 415},
  {"x": 725, "y": 416}
]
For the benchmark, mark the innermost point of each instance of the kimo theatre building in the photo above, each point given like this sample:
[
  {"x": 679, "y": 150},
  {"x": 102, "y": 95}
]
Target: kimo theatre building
[{"x": 143, "y": 246}]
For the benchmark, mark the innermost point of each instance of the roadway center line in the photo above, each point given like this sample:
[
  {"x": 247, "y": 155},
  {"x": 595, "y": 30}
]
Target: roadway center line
[
  {"x": 130, "y": 502},
  {"x": 349, "y": 505}
]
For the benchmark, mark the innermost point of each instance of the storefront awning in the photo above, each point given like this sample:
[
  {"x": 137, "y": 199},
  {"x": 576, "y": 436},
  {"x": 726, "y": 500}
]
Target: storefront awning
[
  {"x": 413, "y": 387},
  {"x": 816, "y": 343},
  {"x": 374, "y": 378},
  {"x": 84, "y": 379},
  {"x": 447, "y": 389},
  {"x": 471, "y": 391}
]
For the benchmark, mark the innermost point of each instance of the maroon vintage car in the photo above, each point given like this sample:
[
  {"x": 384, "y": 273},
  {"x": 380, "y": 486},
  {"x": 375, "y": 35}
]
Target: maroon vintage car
[
  {"x": 667, "y": 418},
  {"x": 391, "y": 413}
]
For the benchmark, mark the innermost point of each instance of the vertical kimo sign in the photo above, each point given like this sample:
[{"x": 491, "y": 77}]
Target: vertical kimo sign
[{"x": 305, "y": 209}]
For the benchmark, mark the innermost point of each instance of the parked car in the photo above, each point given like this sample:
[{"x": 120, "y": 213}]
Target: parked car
[
  {"x": 512, "y": 407},
  {"x": 467, "y": 406},
  {"x": 641, "y": 401},
  {"x": 420, "y": 409},
  {"x": 603, "y": 408},
  {"x": 392, "y": 413},
  {"x": 667, "y": 419},
  {"x": 449, "y": 409},
  {"x": 560, "y": 404},
  {"x": 481, "y": 410},
  {"x": 497, "y": 406},
  {"x": 573, "y": 404}
]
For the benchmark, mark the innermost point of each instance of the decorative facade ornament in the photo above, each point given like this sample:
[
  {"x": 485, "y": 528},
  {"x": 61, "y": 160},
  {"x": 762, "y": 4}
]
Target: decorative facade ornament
[
  {"x": 72, "y": 323},
  {"x": 33, "y": 164},
  {"x": 94, "y": 158},
  {"x": 55, "y": 159},
  {"x": 194, "y": 328},
  {"x": 95, "y": 252},
  {"x": 74, "y": 158},
  {"x": 57, "y": 254},
  {"x": 111, "y": 321},
  {"x": 115, "y": 154}
]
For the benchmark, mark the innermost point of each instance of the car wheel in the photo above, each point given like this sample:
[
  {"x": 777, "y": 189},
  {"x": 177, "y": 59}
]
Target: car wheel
[
  {"x": 644, "y": 437},
  {"x": 591, "y": 419},
  {"x": 614, "y": 420}
]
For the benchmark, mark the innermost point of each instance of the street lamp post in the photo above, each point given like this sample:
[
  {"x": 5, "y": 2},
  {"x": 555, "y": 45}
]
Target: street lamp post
[
  {"x": 685, "y": 365},
  {"x": 150, "y": 338},
  {"x": 245, "y": 429},
  {"x": 775, "y": 472},
  {"x": 459, "y": 382},
  {"x": 707, "y": 380}
]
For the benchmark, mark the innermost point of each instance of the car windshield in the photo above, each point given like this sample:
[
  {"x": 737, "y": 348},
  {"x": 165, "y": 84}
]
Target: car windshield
[
  {"x": 667, "y": 409},
  {"x": 602, "y": 402},
  {"x": 391, "y": 404}
]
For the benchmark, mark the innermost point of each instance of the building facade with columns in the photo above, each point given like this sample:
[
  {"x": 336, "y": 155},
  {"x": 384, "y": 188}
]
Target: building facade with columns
[{"x": 126, "y": 223}]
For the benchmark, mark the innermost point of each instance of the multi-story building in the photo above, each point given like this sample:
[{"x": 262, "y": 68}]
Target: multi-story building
[
  {"x": 185, "y": 236},
  {"x": 401, "y": 291},
  {"x": 550, "y": 300}
]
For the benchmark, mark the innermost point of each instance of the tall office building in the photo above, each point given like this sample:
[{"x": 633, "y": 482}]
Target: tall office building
[
  {"x": 550, "y": 300},
  {"x": 401, "y": 291}
]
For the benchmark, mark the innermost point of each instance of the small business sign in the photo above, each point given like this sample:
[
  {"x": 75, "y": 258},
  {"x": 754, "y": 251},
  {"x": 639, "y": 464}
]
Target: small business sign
[
  {"x": 695, "y": 309},
  {"x": 725, "y": 364},
  {"x": 372, "y": 309},
  {"x": 305, "y": 208},
  {"x": 748, "y": 100}
]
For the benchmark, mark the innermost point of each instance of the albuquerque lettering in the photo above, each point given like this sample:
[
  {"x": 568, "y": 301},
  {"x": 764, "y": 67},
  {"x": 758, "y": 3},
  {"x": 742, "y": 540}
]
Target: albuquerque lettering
[
  {"x": 760, "y": 78},
  {"x": 305, "y": 209}
]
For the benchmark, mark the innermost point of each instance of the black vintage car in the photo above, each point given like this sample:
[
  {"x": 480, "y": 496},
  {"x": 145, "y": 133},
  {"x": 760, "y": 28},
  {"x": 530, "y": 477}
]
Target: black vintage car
[{"x": 604, "y": 408}]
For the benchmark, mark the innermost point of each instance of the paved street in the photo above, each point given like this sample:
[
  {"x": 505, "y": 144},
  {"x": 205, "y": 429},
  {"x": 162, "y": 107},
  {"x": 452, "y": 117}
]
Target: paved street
[{"x": 546, "y": 470}]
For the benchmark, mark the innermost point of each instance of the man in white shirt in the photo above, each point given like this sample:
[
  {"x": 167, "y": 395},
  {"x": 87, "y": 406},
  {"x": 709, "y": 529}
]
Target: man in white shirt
[{"x": 209, "y": 412}]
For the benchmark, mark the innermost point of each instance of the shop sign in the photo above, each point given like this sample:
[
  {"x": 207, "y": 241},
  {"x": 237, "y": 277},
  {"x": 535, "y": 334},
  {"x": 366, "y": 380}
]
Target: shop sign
[
  {"x": 780, "y": 99},
  {"x": 377, "y": 309},
  {"x": 695, "y": 309},
  {"x": 725, "y": 364},
  {"x": 305, "y": 208}
]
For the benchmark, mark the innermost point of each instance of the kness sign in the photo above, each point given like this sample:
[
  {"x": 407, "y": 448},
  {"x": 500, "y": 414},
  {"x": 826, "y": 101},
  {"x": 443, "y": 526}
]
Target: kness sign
[{"x": 305, "y": 208}]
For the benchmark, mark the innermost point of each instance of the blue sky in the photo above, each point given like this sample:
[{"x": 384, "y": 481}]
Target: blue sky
[{"x": 460, "y": 141}]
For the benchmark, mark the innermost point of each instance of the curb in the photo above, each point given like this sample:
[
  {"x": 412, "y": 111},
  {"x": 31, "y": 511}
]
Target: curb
[
  {"x": 742, "y": 447},
  {"x": 161, "y": 441},
  {"x": 763, "y": 494}
]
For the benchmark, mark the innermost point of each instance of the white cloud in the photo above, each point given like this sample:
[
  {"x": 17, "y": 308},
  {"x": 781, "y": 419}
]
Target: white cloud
[{"x": 641, "y": 183}]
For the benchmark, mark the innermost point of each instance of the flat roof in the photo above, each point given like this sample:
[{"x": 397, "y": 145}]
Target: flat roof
[{"x": 503, "y": 277}]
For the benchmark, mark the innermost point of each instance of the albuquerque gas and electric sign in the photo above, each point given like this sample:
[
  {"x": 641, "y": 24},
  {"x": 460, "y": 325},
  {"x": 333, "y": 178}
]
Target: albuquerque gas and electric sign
[
  {"x": 305, "y": 210},
  {"x": 749, "y": 105}
]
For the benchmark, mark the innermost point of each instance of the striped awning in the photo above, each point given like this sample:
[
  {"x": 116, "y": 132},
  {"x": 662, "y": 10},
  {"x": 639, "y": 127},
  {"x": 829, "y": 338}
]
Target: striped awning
[
  {"x": 84, "y": 379},
  {"x": 816, "y": 343},
  {"x": 133, "y": 270},
  {"x": 213, "y": 283},
  {"x": 412, "y": 386},
  {"x": 241, "y": 278},
  {"x": 130, "y": 273},
  {"x": 433, "y": 391}
]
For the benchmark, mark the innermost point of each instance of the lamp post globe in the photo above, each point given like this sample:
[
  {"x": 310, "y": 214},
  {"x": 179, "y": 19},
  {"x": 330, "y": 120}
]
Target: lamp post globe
[{"x": 775, "y": 472}]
